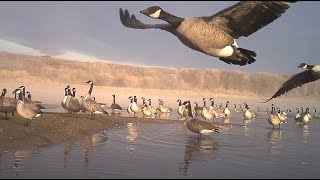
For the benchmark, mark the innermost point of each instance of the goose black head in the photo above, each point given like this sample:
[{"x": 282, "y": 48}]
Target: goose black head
[
  {"x": 89, "y": 82},
  {"x": 153, "y": 12},
  {"x": 4, "y": 91},
  {"x": 303, "y": 66},
  {"x": 16, "y": 91}
]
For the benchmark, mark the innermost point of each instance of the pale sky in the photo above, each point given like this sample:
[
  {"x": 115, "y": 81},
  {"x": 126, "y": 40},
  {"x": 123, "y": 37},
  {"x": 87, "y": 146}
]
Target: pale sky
[{"x": 94, "y": 29}]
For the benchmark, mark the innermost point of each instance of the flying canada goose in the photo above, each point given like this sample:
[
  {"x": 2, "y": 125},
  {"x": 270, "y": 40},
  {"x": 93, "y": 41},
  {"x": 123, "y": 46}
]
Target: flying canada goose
[
  {"x": 25, "y": 109},
  {"x": 273, "y": 119},
  {"x": 215, "y": 35},
  {"x": 90, "y": 105},
  {"x": 7, "y": 104},
  {"x": 114, "y": 105},
  {"x": 72, "y": 104},
  {"x": 63, "y": 102},
  {"x": 312, "y": 73},
  {"x": 198, "y": 126}
]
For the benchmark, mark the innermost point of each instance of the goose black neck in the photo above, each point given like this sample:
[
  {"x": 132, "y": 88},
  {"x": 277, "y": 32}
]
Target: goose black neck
[
  {"x": 74, "y": 93},
  {"x": 69, "y": 92},
  {"x": 65, "y": 92},
  {"x": 114, "y": 98},
  {"x": 21, "y": 96},
  {"x": 179, "y": 103},
  {"x": 189, "y": 111},
  {"x": 149, "y": 103},
  {"x": 174, "y": 21},
  {"x": 212, "y": 103},
  {"x": 24, "y": 92},
  {"x": 91, "y": 87},
  {"x": 143, "y": 101},
  {"x": 29, "y": 96}
]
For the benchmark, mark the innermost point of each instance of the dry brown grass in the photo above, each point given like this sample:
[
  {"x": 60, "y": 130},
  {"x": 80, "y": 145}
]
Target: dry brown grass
[{"x": 44, "y": 72}]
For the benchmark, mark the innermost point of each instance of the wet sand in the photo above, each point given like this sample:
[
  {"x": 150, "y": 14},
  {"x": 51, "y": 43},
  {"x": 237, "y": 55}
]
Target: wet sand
[{"x": 55, "y": 128}]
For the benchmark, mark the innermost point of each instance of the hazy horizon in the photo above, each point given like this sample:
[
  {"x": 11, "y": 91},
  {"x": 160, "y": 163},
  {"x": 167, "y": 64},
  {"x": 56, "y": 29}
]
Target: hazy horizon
[{"x": 93, "y": 29}]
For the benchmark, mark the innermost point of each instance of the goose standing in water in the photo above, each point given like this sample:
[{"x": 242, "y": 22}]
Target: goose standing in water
[
  {"x": 180, "y": 108},
  {"x": 282, "y": 115},
  {"x": 316, "y": 115},
  {"x": 198, "y": 126},
  {"x": 129, "y": 106},
  {"x": 226, "y": 110},
  {"x": 248, "y": 114},
  {"x": 90, "y": 105},
  {"x": 215, "y": 35},
  {"x": 135, "y": 107},
  {"x": 27, "y": 110},
  {"x": 197, "y": 109},
  {"x": 163, "y": 109},
  {"x": 114, "y": 105},
  {"x": 7, "y": 104},
  {"x": 153, "y": 109},
  {"x": 273, "y": 119},
  {"x": 304, "y": 118},
  {"x": 297, "y": 116},
  {"x": 312, "y": 73},
  {"x": 63, "y": 102}
]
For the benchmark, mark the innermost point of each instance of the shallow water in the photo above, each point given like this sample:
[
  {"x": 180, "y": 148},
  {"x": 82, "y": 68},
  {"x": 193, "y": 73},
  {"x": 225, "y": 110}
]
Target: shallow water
[{"x": 170, "y": 150}]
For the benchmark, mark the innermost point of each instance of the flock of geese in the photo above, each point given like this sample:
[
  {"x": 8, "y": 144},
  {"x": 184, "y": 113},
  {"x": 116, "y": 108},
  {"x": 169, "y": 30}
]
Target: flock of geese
[
  {"x": 30, "y": 109},
  {"x": 213, "y": 35}
]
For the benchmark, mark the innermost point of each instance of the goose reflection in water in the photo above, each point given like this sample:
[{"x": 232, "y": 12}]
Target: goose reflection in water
[
  {"x": 19, "y": 156},
  {"x": 91, "y": 143},
  {"x": 274, "y": 139},
  {"x": 197, "y": 149},
  {"x": 132, "y": 135}
]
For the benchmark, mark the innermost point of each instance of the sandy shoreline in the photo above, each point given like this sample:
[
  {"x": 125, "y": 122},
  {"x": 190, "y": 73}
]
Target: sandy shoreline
[{"x": 55, "y": 128}]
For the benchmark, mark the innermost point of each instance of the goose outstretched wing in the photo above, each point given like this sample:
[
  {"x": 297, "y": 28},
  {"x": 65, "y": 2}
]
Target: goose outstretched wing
[
  {"x": 294, "y": 81},
  {"x": 247, "y": 17}
]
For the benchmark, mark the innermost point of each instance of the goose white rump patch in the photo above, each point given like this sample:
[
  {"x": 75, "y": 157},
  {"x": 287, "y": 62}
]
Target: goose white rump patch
[{"x": 206, "y": 131}]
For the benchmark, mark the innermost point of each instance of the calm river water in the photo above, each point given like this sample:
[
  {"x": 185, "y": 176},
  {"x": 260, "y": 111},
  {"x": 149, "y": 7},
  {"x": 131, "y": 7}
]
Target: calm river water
[{"x": 170, "y": 150}]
